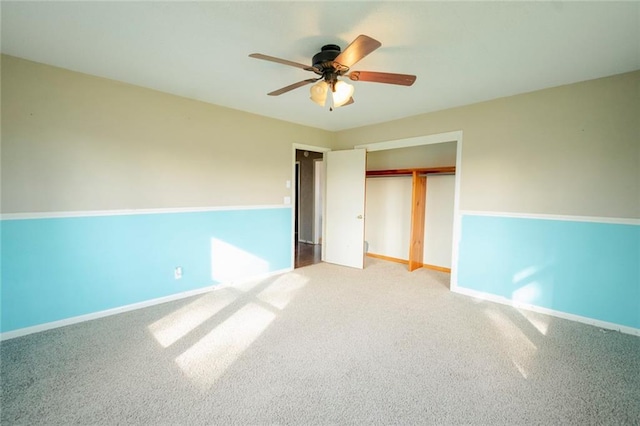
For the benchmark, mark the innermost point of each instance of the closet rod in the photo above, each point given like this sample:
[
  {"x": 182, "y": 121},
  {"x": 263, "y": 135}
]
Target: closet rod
[{"x": 421, "y": 171}]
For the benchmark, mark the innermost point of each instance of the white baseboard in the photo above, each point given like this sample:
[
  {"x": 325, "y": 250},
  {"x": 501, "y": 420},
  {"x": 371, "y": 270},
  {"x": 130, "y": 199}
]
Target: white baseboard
[
  {"x": 559, "y": 314},
  {"x": 147, "y": 303}
]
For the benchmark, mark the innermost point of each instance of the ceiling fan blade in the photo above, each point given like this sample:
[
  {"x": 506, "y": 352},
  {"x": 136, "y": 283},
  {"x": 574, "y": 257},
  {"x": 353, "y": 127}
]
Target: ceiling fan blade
[
  {"x": 383, "y": 77},
  {"x": 292, "y": 86},
  {"x": 358, "y": 49},
  {"x": 283, "y": 61}
]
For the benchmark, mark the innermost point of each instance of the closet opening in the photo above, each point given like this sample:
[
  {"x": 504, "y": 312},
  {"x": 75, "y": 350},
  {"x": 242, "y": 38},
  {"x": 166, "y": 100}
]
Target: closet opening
[{"x": 410, "y": 204}]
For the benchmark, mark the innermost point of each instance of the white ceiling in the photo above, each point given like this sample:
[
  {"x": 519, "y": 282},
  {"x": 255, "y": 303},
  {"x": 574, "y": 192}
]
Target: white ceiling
[{"x": 461, "y": 52}]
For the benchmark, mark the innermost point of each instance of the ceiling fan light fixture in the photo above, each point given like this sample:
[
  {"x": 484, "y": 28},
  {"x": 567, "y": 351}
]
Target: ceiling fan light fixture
[
  {"x": 342, "y": 92},
  {"x": 319, "y": 92}
]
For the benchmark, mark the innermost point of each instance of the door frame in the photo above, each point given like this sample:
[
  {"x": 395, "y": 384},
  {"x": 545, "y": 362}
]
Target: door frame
[
  {"x": 304, "y": 147},
  {"x": 318, "y": 199},
  {"x": 296, "y": 200},
  {"x": 456, "y": 137}
]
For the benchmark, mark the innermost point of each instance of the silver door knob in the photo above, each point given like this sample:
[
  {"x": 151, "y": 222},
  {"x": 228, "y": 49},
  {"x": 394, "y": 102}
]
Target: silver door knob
[{"x": 359, "y": 216}]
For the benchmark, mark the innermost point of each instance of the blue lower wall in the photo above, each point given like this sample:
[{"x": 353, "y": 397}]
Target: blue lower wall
[
  {"x": 582, "y": 268},
  {"x": 58, "y": 268}
]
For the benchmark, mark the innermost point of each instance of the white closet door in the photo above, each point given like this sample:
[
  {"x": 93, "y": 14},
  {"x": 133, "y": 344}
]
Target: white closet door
[{"x": 344, "y": 214}]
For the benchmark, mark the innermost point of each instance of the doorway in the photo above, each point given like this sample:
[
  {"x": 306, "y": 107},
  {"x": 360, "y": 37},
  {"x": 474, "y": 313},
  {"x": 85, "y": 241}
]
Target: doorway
[{"x": 308, "y": 205}]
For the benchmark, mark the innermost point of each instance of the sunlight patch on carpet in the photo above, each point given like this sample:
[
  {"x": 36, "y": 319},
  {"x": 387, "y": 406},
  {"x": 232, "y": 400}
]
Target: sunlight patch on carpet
[
  {"x": 178, "y": 324},
  {"x": 283, "y": 289},
  {"x": 540, "y": 322},
  {"x": 518, "y": 346},
  {"x": 209, "y": 358}
]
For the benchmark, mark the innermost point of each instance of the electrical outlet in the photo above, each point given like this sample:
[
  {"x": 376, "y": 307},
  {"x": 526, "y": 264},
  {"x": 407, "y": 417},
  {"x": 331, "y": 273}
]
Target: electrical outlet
[{"x": 177, "y": 272}]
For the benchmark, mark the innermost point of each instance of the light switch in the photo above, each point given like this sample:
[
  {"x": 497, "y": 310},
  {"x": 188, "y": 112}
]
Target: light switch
[{"x": 288, "y": 184}]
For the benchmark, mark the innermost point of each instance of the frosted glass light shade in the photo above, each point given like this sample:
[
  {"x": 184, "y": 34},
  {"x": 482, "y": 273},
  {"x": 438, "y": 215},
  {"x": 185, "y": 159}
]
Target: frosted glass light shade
[
  {"x": 319, "y": 92},
  {"x": 342, "y": 93}
]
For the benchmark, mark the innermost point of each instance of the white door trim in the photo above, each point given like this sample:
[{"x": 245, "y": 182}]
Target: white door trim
[
  {"x": 318, "y": 199},
  {"x": 296, "y": 199},
  {"x": 302, "y": 147},
  {"x": 456, "y": 137}
]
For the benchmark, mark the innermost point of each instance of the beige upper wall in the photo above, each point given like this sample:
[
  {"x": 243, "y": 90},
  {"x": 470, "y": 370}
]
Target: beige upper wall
[
  {"x": 74, "y": 142},
  {"x": 570, "y": 150},
  {"x": 436, "y": 155}
]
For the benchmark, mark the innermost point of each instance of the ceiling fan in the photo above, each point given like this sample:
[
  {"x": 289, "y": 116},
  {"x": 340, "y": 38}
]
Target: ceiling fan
[{"x": 331, "y": 63}]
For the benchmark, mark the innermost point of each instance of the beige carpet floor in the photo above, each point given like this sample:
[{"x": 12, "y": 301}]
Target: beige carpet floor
[{"x": 324, "y": 345}]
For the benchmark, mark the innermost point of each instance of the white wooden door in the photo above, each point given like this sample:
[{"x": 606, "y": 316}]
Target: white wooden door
[{"x": 344, "y": 208}]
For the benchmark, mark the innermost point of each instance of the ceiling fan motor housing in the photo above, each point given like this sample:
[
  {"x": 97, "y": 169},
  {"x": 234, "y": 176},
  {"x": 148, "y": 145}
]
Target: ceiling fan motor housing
[{"x": 326, "y": 56}]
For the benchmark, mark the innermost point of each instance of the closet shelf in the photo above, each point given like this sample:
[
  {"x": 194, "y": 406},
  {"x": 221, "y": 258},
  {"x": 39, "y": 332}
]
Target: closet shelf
[{"x": 421, "y": 171}]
